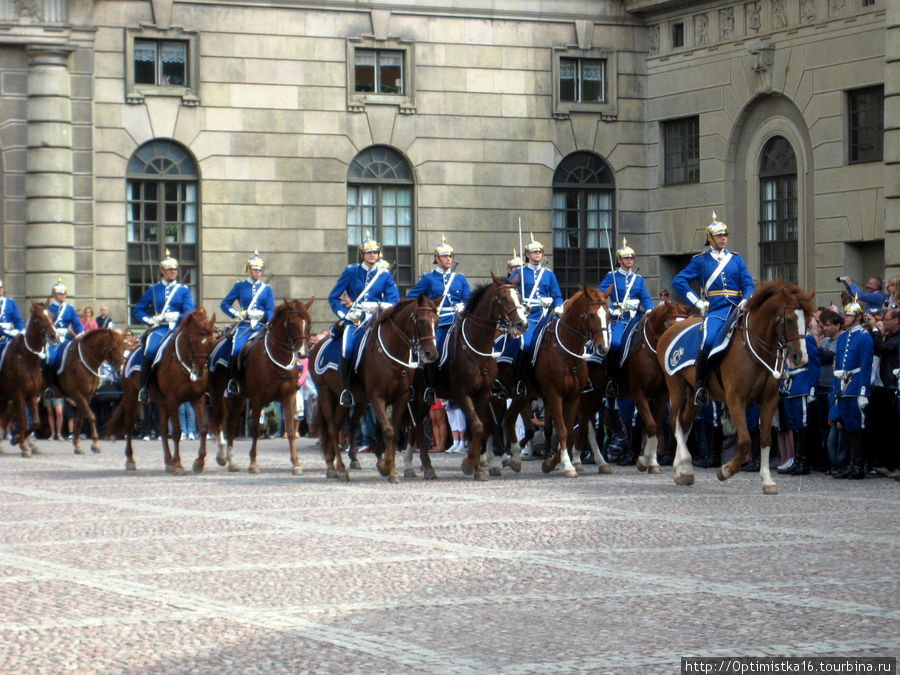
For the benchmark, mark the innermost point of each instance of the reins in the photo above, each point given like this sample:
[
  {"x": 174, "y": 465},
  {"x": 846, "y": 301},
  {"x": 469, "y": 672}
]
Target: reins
[
  {"x": 413, "y": 341},
  {"x": 780, "y": 349}
]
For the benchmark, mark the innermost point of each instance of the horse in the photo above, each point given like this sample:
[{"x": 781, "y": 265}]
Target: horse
[
  {"x": 640, "y": 379},
  {"x": 384, "y": 379},
  {"x": 767, "y": 334},
  {"x": 21, "y": 381},
  {"x": 80, "y": 375},
  {"x": 561, "y": 373},
  {"x": 471, "y": 369},
  {"x": 267, "y": 371},
  {"x": 181, "y": 375}
]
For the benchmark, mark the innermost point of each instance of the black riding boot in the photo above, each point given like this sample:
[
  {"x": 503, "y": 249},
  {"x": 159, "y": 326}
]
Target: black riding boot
[
  {"x": 753, "y": 464},
  {"x": 800, "y": 467},
  {"x": 856, "y": 468},
  {"x": 51, "y": 382},
  {"x": 345, "y": 371},
  {"x": 430, "y": 377},
  {"x": 233, "y": 388},
  {"x": 144, "y": 393},
  {"x": 712, "y": 450},
  {"x": 520, "y": 366},
  {"x": 701, "y": 396},
  {"x": 611, "y": 365}
]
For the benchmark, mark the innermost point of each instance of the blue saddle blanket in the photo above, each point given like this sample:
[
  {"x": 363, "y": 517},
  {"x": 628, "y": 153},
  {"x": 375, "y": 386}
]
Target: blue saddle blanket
[
  {"x": 683, "y": 350},
  {"x": 133, "y": 364},
  {"x": 329, "y": 356}
]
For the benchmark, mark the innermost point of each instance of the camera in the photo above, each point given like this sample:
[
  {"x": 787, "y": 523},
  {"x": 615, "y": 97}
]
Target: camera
[{"x": 841, "y": 279}]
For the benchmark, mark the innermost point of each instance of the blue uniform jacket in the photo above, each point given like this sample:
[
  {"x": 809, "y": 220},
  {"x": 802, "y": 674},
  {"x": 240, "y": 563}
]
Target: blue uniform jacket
[
  {"x": 154, "y": 300},
  {"x": 64, "y": 317},
  {"x": 874, "y": 300},
  {"x": 354, "y": 279},
  {"x": 9, "y": 313},
  {"x": 802, "y": 381},
  {"x": 547, "y": 287},
  {"x": 432, "y": 286},
  {"x": 853, "y": 364},
  {"x": 243, "y": 291},
  {"x": 628, "y": 286}
]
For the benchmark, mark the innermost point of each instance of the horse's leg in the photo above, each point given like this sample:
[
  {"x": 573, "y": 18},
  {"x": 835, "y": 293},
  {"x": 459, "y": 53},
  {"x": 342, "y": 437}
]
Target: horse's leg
[
  {"x": 602, "y": 465},
  {"x": 129, "y": 401},
  {"x": 30, "y": 440},
  {"x": 569, "y": 409},
  {"x": 509, "y": 431},
  {"x": 202, "y": 416},
  {"x": 352, "y": 450},
  {"x": 428, "y": 471},
  {"x": 471, "y": 463},
  {"x": 82, "y": 410},
  {"x": 386, "y": 465},
  {"x": 255, "y": 411},
  {"x": 287, "y": 404},
  {"x": 24, "y": 429},
  {"x": 647, "y": 459},
  {"x": 766, "y": 414},
  {"x": 554, "y": 410},
  {"x": 170, "y": 405},
  {"x": 678, "y": 416},
  {"x": 490, "y": 459}
]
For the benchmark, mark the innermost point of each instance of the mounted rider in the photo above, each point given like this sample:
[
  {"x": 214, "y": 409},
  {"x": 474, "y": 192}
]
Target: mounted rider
[
  {"x": 67, "y": 325},
  {"x": 161, "y": 309},
  {"x": 368, "y": 285},
  {"x": 11, "y": 323},
  {"x": 257, "y": 307},
  {"x": 628, "y": 301},
  {"x": 450, "y": 289},
  {"x": 513, "y": 265},
  {"x": 540, "y": 293},
  {"x": 725, "y": 285}
]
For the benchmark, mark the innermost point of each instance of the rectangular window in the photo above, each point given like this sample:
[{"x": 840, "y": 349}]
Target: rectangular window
[
  {"x": 868, "y": 3},
  {"x": 582, "y": 80},
  {"x": 778, "y": 228},
  {"x": 385, "y": 212},
  {"x": 866, "y": 132},
  {"x": 160, "y": 62},
  {"x": 582, "y": 226},
  {"x": 678, "y": 35},
  {"x": 681, "y": 150},
  {"x": 378, "y": 71}
]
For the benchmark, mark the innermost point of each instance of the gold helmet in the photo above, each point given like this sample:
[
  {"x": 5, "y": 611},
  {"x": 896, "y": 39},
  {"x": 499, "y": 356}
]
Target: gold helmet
[
  {"x": 853, "y": 308},
  {"x": 626, "y": 251},
  {"x": 168, "y": 263},
  {"x": 60, "y": 287},
  {"x": 515, "y": 261},
  {"x": 534, "y": 245},
  {"x": 716, "y": 226},
  {"x": 255, "y": 262},
  {"x": 369, "y": 244},
  {"x": 443, "y": 248}
]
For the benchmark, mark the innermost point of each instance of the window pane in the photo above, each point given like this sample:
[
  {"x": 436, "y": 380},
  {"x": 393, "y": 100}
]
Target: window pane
[
  {"x": 567, "y": 80},
  {"x": 594, "y": 81},
  {"x": 391, "y": 73},
  {"x": 144, "y": 62},
  {"x": 174, "y": 63},
  {"x": 365, "y": 70}
]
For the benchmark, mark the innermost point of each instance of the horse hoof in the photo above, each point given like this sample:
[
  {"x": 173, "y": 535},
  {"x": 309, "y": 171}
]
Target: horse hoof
[
  {"x": 384, "y": 472},
  {"x": 410, "y": 473},
  {"x": 331, "y": 473},
  {"x": 253, "y": 469},
  {"x": 640, "y": 464},
  {"x": 515, "y": 466},
  {"x": 770, "y": 489},
  {"x": 130, "y": 466},
  {"x": 480, "y": 476},
  {"x": 721, "y": 475},
  {"x": 394, "y": 479},
  {"x": 170, "y": 468},
  {"x": 354, "y": 464},
  {"x": 604, "y": 468},
  {"x": 197, "y": 467},
  {"x": 545, "y": 467},
  {"x": 178, "y": 471},
  {"x": 234, "y": 468},
  {"x": 78, "y": 451},
  {"x": 26, "y": 453},
  {"x": 495, "y": 471},
  {"x": 684, "y": 479},
  {"x": 578, "y": 466},
  {"x": 344, "y": 477},
  {"x": 467, "y": 468},
  {"x": 96, "y": 449},
  {"x": 221, "y": 460},
  {"x": 430, "y": 475},
  {"x": 570, "y": 473},
  {"x": 296, "y": 470},
  {"x": 654, "y": 469}
]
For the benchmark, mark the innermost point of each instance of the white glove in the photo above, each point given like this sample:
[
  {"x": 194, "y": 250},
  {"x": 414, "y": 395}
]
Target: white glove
[
  {"x": 12, "y": 332},
  {"x": 558, "y": 310},
  {"x": 863, "y": 401},
  {"x": 62, "y": 332},
  {"x": 702, "y": 306},
  {"x": 459, "y": 307},
  {"x": 632, "y": 305},
  {"x": 615, "y": 312},
  {"x": 152, "y": 320},
  {"x": 255, "y": 314},
  {"x": 742, "y": 303},
  {"x": 353, "y": 316},
  {"x": 6, "y": 325},
  {"x": 385, "y": 305},
  {"x": 367, "y": 307},
  {"x": 169, "y": 317},
  {"x": 546, "y": 302}
]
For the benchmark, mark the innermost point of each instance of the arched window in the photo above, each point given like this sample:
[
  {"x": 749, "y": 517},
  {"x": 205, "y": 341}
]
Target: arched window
[
  {"x": 778, "y": 211},
  {"x": 162, "y": 212},
  {"x": 380, "y": 201},
  {"x": 583, "y": 227}
]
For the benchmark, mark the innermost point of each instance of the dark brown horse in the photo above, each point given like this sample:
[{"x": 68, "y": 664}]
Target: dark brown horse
[
  {"x": 769, "y": 333},
  {"x": 80, "y": 375},
  {"x": 384, "y": 378},
  {"x": 560, "y": 372},
  {"x": 267, "y": 372},
  {"x": 180, "y": 376},
  {"x": 471, "y": 368},
  {"x": 21, "y": 381}
]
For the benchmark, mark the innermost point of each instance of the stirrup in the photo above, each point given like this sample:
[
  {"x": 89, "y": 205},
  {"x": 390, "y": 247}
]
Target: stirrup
[
  {"x": 700, "y": 397},
  {"x": 612, "y": 389},
  {"x": 346, "y": 399},
  {"x": 232, "y": 388},
  {"x": 143, "y": 395},
  {"x": 428, "y": 396},
  {"x": 521, "y": 388}
]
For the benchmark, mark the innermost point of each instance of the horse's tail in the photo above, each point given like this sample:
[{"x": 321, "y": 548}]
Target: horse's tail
[{"x": 115, "y": 425}]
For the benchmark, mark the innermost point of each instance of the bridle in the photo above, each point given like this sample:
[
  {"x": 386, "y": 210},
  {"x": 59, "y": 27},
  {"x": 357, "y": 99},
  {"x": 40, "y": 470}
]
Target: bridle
[
  {"x": 47, "y": 334},
  {"x": 193, "y": 374},
  {"x": 675, "y": 316},
  {"x": 499, "y": 318},
  {"x": 296, "y": 340},
  {"x": 781, "y": 349},
  {"x": 411, "y": 336},
  {"x": 588, "y": 335}
]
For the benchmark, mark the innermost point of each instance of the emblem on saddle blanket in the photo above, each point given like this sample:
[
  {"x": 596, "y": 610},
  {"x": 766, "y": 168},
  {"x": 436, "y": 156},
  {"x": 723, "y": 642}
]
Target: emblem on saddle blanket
[
  {"x": 329, "y": 356},
  {"x": 683, "y": 350}
]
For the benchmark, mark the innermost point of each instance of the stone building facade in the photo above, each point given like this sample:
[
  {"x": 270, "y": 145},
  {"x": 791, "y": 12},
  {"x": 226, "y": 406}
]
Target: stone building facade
[{"x": 213, "y": 129}]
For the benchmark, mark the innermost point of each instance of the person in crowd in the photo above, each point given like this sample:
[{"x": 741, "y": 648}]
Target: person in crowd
[
  {"x": 89, "y": 322},
  {"x": 513, "y": 265},
  {"x": 450, "y": 290},
  {"x": 882, "y": 436},
  {"x": 257, "y": 307},
  {"x": 440, "y": 425},
  {"x": 188, "y": 421},
  {"x": 628, "y": 301},
  {"x": 710, "y": 435},
  {"x": 456, "y": 418},
  {"x": 851, "y": 387},
  {"x": 105, "y": 320},
  {"x": 725, "y": 284},
  {"x": 799, "y": 390},
  {"x": 826, "y": 326},
  {"x": 367, "y": 285},
  {"x": 68, "y": 325},
  {"x": 663, "y": 297},
  {"x": 892, "y": 301},
  {"x": 54, "y": 406},
  {"x": 11, "y": 323},
  {"x": 161, "y": 309},
  {"x": 872, "y": 295}
]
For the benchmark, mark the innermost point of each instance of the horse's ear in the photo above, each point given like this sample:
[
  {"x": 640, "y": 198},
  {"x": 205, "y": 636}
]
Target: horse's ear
[
  {"x": 605, "y": 294},
  {"x": 495, "y": 279},
  {"x": 285, "y": 300},
  {"x": 420, "y": 301},
  {"x": 212, "y": 319},
  {"x": 311, "y": 301}
]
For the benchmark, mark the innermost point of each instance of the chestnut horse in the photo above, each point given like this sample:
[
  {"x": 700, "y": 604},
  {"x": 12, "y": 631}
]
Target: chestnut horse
[
  {"x": 384, "y": 378},
  {"x": 560, "y": 372},
  {"x": 21, "y": 381},
  {"x": 769, "y": 333},
  {"x": 80, "y": 375},
  {"x": 181, "y": 375},
  {"x": 468, "y": 376},
  {"x": 267, "y": 371}
]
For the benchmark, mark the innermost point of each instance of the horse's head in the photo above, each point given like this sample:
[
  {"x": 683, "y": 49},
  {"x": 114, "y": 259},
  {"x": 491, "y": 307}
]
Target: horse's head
[
  {"x": 293, "y": 318},
  {"x": 425, "y": 322},
  {"x": 798, "y": 309},
  {"x": 509, "y": 308},
  {"x": 785, "y": 309},
  {"x": 199, "y": 332},
  {"x": 114, "y": 349},
  {"x": 40, "y": 328},
  {"x": 664, "y": 315},
  {"x": 589, "y": 310}
]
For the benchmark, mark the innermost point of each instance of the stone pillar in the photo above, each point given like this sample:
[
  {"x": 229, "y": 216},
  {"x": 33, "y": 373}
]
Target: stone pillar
[
  {"x": 49, "y": 233},
  {"x": 892, "y": 139}
]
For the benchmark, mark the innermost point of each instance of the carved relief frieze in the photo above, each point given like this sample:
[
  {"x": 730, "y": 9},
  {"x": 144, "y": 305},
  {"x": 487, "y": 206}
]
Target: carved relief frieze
[
  {"x": 28, "y": 10},
  {"x": 779, "y": 18},
  {"x": 701, "y": 30},
  {"x": 726, "y": 23},
  {"x": 807, "y": 11},
  {"x": 653, "y": 39},
  {"x": 752, "y": 17}
]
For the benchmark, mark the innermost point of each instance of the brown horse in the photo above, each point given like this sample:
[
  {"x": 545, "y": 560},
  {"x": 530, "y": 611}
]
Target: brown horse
[
  {"x": 384, "y": 378},
  {"x": 560, "y": 372},
  {"x": 267, "y": 371},
  {"x": 80, "y": 375},
  {"x": 471, "y": 368},
  {"x": 769, "y": 333},
  {"x": 21, "y": 381},
  {"x": 180, "y": 376}
]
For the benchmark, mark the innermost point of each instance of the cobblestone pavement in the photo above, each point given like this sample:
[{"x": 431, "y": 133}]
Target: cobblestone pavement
[{"x": 103, "y": 570}]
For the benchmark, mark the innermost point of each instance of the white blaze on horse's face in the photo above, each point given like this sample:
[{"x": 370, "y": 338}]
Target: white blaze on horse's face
[
  {"x": 303, "y": 351},
  {"x": 604, "y": 328},
  {"x": 521, "y": 316},
  {"x": 801, "y": 332}
]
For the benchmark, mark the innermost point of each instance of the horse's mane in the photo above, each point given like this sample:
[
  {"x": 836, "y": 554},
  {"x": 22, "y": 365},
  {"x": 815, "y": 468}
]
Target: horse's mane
[
  {"x": 198, "y": 317},
  {"x": 399, "y": 307},
  {"x": 769, "y": 289},
  {"x": 289, "y": 305},
  {"x": 477, "y": 296}
]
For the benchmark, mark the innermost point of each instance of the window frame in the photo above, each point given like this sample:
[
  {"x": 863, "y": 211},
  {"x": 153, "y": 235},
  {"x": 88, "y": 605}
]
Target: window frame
[
  {"x": 686, "y": 166},
  {"x": 135, "y": 92},
  {"x": 607, "y": 109},
  {"x": 358, "y": 100},
  {"x": 778, "y": 196},
  {"x": 874, "y": 136}
]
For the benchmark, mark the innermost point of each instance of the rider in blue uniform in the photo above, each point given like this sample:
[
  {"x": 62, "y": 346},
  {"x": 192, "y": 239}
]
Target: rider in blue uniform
[
  {"x": 628, "y": 300},
  {"x": 725, "y": 284},
  {"x": 851, "y": 387},
  {"x": 10, "y": 320},
  {"x": 367, "y": 285},
  {"x": 450, "y": 289},
  {"x": 540, "y": 292},
  {"x": 799, "y": 387},
  {"x": 257, "y": 307},
  {"x": 68, "y": 325},
  {"x": 161, "y": 309}
]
